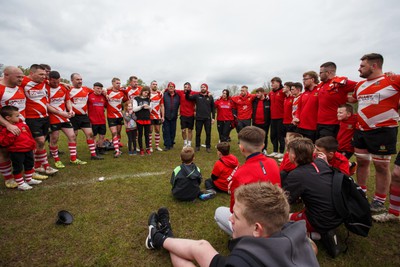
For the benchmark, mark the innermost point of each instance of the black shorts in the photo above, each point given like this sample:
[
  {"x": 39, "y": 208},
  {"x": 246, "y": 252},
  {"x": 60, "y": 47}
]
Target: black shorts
[
  {"x": 59, "y": 126},
  {"x": 397, "y": 161},
  {"x": 80, "y": 121},
  {"x": 187, "y": 122},
  {"x": 310, "y": 134},
  {"x": 39, "y": 127},
  {"x": 115, "y": 121},
  {"x": 99, "y": 129},
  {"x": 381, "y": 141},
  {"x": 156, "y": 122},
  {"x": 289, "y": 128},
  {"x": 327, "y": 130}
]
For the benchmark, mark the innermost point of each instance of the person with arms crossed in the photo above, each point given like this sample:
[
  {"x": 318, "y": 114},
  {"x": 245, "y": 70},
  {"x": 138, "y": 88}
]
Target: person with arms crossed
[{"x": 171, "y": 107}]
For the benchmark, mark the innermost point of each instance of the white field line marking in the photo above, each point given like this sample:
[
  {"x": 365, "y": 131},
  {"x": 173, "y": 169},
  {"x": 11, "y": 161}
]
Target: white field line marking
[{"x": 95, "y": 180}]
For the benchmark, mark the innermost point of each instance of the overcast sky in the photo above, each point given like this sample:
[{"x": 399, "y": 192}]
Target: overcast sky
[{"x": 218, "y": 42}]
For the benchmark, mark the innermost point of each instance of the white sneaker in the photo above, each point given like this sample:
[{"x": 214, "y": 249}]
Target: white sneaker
[
  {"x": 280, "y": 160},
  {"x": 273, "y": 154},
  {"x": 138, "y": 149},
  {"x": 279, "y": 155},
  {"x": 151, "y": 149},
  {"x": 158, "y": 149},
  {"x": 51, "y": 171},
  {"x": 386, "y": 217},
  {"x": 24, "y": 187},
  {"x": 40, "y": 169},
  {"x": 34, "y": 182},
  {"x": 203, "y": 145}
]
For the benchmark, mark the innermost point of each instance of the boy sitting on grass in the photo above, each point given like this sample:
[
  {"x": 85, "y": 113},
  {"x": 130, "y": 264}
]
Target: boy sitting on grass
[
  {"x": 223, "y": 170},
  {"x": 186, "y": 178},
  {"x": 20, "y": 148},
  {"x": 326, "y": 148}
]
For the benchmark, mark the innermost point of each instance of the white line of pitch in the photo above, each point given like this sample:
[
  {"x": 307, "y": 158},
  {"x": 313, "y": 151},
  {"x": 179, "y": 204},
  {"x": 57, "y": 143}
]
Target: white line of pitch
[{"x": 96, "y": 180}]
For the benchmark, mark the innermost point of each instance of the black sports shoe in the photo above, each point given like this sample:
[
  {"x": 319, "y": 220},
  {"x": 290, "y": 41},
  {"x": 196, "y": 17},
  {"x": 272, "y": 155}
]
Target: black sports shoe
[
  {"x": 152, "y": 230},
  {"x": 330, "y": 241},
  {"x": 96, "y": 158},
  {"x": 163, "y": 219}
]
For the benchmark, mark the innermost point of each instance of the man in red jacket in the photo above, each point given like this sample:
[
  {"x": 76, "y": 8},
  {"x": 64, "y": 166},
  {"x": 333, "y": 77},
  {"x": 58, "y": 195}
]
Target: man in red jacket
[
  {"x": 277, "y": 97},
  {"x": 332, "y": 93},
  {"x": 257, "y": 168},
  {"x": 243, "y": 107},
  {"x": 307, "y": 109}
]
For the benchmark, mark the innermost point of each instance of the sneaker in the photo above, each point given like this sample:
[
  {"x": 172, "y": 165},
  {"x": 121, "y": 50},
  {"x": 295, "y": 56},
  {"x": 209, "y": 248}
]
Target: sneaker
[
  {"x": 11, "y": 183},
  {"x": 130, "y": 153},
  {"x": 353, "y": 168},
  {"x": 386, "y": 217},
  {"x": 208, "y": 194},
  {"x": 280, "y": 160},
  {"x": 279, "y": 155},
  {"x": 152, "y": 230},
  {"x": 59, "y": 165},
  {"x": 138, "y": 149},
  {"x": 151, "y": 149},
  {"x": 330, "y": 241},
  {"x": 141, "y": 152},
  {"x": 24, "y": 187},
  {"x": 96, "y": 158},
  {"x": 117, "y": 154},
  {"x": 134, "y": 152},
  {"x": 148, "y": 151},
  {"x": 38, "y": 176},
  {"x": 78, "y": 162},
  {"x": 34, "y": 182},
  {"x": 40, "y": 169},
  {"x": 159, "y": 148},
  {"x": 51, "y": 171},
  {"x": 377, "y": 206},
  {"x": 163, "y": 219},
  {"x": 273, "y": 154}
]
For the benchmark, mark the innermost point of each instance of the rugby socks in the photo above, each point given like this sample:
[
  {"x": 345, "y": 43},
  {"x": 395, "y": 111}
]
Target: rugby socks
[
  {"x": 92, "y": 147},
  {"x": 116, "y": 143},
  {"x": 394, "y": 200},
  {"x": 54, "y": 153},
  {"x": 19, "y": 179},
  {"x": 28, "y": 175},
  {"x": 6, "y": 170},
  {"x": 72, "y": 151},
  {"x": 380, "y": 197},
  {"x": 41, "y": 159},
  {"x": 150, "y": 139},
  {"x": 157, "y": 137}
]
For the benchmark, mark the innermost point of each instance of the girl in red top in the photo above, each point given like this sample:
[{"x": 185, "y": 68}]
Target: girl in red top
[{"x": 20, "y": 148}]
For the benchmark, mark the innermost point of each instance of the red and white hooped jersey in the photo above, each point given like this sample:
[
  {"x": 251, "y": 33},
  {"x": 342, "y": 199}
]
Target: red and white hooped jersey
[
  {"x": 79, "y": 98},
  {"x": 13, "y": 97},
  {"x": 114, "y": 107},
  {"x": 295, "y": 105},
  {"x": 378, "y": 101},
  {"x": 131, "y": 93},
  {"x": 57, "y": 98},
  {"x": 36, "y": 98},
  {"x": 156, "y": 99}
]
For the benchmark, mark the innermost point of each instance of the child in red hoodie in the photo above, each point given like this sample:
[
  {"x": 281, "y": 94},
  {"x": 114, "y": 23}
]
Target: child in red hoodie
[
  {"x": 326, "y": 148},
  {"x": 19, "y": 147},
  {"x": 347, "y": 128},
  {"x": 223, "y": 169}
]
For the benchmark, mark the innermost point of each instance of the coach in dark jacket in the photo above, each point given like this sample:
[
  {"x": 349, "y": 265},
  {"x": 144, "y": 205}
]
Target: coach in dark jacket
[
  {"x": 171, "y": 106},
  {"x": 205, "y": 114}
]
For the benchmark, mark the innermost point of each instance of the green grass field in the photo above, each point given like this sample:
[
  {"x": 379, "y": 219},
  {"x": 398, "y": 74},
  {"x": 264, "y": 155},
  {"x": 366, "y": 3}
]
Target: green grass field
[{"x": 110, "y": 217}]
